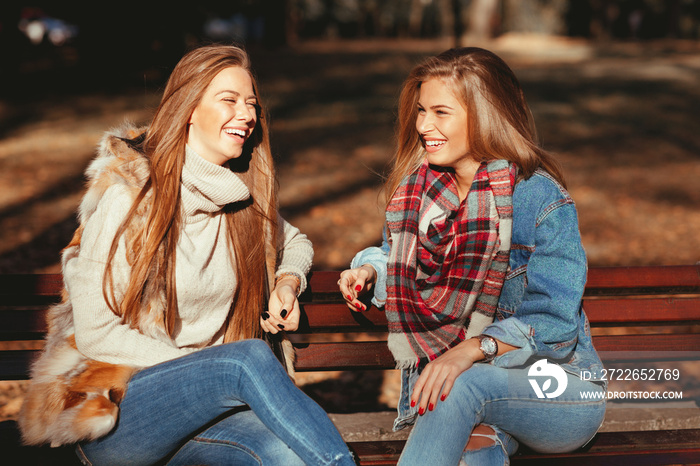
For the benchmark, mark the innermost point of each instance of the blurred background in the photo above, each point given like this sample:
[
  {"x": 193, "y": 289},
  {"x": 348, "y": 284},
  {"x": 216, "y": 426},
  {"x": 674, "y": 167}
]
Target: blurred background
[{"x": 613, "y": 85}]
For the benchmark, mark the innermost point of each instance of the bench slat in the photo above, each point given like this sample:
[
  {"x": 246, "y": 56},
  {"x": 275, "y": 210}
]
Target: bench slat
[
  {"x": 621, "y": 311},
  {"x": 637, "y": 311},
  {"x": 19, "y": 324},
  {"x": 337, "y": 316},
  {"x": 352, "y": 355},
  {"x": 640, "y": 346},
  {"x": 26, "y": 324},
  {"x": 14, "y": 364},
  {"x": 607, "y": 448},
  {"x": 376, "y": 354},
  {"x": 601, "y": 280},
  {"x": 648, "y": 279},
  {"x": 48, "y": 284}
]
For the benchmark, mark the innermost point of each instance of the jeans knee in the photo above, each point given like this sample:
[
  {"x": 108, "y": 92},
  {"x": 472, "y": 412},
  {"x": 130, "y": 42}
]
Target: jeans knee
[
  {"x": 239, "y": 361},
  {"x": 252, "y": 353},
  {"x": 255, "y": 348}
]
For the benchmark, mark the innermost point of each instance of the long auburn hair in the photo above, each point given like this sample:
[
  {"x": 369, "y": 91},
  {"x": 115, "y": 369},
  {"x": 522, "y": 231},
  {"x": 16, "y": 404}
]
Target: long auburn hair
[
  {"x": 252, "y": 227},
  {"x": 499, "y": 122}
]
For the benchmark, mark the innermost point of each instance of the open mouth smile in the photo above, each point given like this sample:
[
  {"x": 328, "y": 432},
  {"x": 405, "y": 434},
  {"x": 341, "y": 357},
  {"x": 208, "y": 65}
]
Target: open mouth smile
[
  {"x": 236, "y": 132},
  {"x": 433, "y": 145}
]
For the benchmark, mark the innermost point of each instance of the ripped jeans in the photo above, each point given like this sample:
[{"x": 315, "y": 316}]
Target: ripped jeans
[
  {"x": 227, "y": 404},
  {"x": 505, "y": 400}
]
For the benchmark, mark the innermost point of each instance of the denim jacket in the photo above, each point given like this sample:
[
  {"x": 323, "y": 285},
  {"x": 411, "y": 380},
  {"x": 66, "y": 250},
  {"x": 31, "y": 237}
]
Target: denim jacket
[{"x": 540, "y": 309}]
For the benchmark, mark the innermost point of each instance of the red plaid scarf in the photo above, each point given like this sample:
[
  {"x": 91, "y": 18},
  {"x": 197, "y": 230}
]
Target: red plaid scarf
[{"x": 448, "y": 259}]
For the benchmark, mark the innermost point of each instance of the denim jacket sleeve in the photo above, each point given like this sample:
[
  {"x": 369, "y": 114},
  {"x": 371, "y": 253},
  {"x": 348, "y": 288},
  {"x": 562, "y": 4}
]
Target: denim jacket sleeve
[
  {"x": 546, "y": 320},
  {"x": 377, "y": 257}
]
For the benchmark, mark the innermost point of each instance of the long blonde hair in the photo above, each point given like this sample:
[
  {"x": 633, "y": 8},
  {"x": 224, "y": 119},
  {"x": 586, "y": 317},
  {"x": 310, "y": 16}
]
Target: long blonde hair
[
  {"x": 252, "y": 228},
  {"x": 499, "y": 121}
]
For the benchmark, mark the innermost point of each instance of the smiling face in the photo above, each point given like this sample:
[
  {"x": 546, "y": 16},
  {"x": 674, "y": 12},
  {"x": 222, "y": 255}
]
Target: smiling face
[
  {"x": 225, "y": 117},
  {"x": 442, "y": 126}
]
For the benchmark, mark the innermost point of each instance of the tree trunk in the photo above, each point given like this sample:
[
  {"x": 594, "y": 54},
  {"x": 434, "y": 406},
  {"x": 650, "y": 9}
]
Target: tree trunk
[
  {"x": 540, "y": 17},
  {"x": 480, "y": 19}
]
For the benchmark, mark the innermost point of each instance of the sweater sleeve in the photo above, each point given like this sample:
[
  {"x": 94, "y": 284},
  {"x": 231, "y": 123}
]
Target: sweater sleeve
[
  {"x": 99, "y": 333},
  {"x": 295, "y": 251}
]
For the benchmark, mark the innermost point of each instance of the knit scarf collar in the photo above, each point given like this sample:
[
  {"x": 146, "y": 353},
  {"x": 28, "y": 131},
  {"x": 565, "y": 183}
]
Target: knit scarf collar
[
  {"x": 448, "y": 259},
  {"x": 208, "y": 187}
]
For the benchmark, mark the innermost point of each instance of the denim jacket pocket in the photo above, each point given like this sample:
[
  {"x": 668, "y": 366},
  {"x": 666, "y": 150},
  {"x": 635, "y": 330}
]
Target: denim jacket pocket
[
  {"x": 512, "y": 292},
  {"x": 558, "y": 347}
]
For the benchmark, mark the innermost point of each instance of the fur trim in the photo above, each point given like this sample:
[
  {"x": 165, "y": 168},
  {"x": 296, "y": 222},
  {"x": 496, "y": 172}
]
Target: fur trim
[
  {"x": 290, "y": 357},
  {"x": 70, "y": 397},
  {"x": 116, "y": 163}
]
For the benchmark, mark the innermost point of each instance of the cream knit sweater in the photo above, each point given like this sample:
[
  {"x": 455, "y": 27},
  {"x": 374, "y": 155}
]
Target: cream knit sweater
[{"x": 205, "y": 276}]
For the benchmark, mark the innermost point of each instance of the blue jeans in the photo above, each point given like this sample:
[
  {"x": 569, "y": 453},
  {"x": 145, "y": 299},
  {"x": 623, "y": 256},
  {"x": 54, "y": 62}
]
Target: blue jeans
[
  {"x": 194, "y": 410},
  {"x": 504, "y": 399}
]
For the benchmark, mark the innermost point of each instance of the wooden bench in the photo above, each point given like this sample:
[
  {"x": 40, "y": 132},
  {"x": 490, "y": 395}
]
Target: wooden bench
[{"x": 635, "y": 312}]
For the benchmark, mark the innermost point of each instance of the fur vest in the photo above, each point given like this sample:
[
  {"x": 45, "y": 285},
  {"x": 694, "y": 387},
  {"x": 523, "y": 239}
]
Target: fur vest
[{"x": 72, "y": 398}]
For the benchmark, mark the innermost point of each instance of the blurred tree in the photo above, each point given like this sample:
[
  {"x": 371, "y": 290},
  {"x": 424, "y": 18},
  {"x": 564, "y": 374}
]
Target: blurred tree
[
  {"x": 482, "y": 19},
  {"x": 541, "y": 16}
]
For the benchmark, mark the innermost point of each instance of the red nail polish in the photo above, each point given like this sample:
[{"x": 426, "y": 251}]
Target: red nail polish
[
  {"x": 421, "y": 411},
  {"x": 349, "y": 298},
  {"x": 413, "y": 404},
  {"x": 442, "y": 397},
  {"x": 358, "y": 288},
  {"x": 359, "y": 306},
  {"x": 430, "y": 407}
]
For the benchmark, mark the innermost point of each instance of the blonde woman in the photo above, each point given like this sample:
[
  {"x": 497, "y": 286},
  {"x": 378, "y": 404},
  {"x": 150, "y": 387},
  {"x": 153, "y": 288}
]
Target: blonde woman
[
  {"x": 180, "y": 266},
  {"x": 481, "y": 273}
]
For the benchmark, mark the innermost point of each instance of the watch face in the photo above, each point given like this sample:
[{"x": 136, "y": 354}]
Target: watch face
[{"x": 488, "y": 346}]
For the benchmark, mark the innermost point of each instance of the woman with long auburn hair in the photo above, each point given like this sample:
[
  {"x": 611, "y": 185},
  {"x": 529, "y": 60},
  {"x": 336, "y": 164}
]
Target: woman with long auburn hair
[
  {"x": 166, "y": 347},
  {"x": 481, "y": 274}
]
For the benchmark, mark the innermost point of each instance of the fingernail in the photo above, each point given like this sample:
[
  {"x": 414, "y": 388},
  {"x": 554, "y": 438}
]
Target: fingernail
[
  {"x": 421, "y": 411},
  {"x": 359, "y": 306},
  {"x": 430, "y": 407},
  {"x": 442, "y": 397},
  {"x": 265, "y": 315},
  {"x": 349, "y": 298},
  {"x": 280, "y": 326},
  {"x": 413, "y": 404},
  {"x": 358, "y": 288},
  {"x": 283, "y": 313}
]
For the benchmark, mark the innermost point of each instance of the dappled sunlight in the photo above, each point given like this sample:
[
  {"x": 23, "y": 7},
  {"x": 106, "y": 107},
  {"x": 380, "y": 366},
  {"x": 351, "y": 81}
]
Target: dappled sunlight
[{"x": 622, "y": 118}]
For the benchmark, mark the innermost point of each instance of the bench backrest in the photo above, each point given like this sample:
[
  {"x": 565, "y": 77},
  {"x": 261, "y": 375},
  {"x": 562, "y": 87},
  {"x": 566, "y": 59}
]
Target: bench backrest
[{"x": 631, "y": 309}]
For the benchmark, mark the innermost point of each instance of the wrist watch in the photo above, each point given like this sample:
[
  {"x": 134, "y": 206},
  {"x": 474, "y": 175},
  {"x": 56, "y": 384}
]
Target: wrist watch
[{"x": 488, "y": 346}]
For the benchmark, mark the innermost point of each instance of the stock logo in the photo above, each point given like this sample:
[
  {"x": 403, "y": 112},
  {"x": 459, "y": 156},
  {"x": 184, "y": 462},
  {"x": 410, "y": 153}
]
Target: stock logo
[{"x": 546, "y": 372}]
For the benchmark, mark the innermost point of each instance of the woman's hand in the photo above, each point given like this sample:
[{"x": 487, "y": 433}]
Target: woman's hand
[
  {"x": 283, "y": 309},
  {"x": 440, "y": 374},
  {"x": 354, "y": 282}
]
